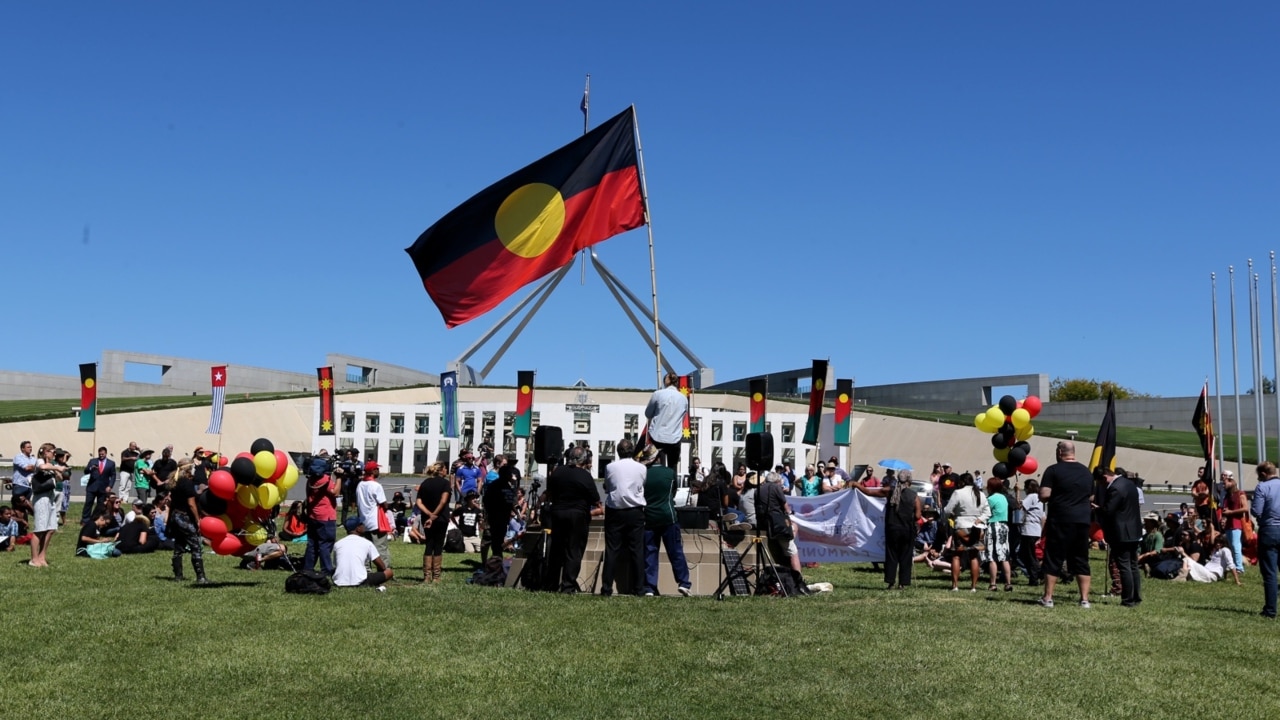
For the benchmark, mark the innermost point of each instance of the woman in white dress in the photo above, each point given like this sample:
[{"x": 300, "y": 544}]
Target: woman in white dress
[{"x": 44, "y": 487}]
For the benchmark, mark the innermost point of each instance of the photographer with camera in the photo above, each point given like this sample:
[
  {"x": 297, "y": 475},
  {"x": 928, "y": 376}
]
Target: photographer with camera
[{"x": 347, "y": 472}]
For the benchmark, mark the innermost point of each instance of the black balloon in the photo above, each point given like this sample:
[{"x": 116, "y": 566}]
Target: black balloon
[
  {"x": 1025, "y": 447},
  {"x": 1017, "y": 456},
  {"x": 243, "y": 470},
  {"x": 1000, "y": 470},
  {"x": 261, "y": 444},
  {"x": 1008, "y": 404},
  {"x": 211, "y": 504},
  {"x": 998, "y": 440}
]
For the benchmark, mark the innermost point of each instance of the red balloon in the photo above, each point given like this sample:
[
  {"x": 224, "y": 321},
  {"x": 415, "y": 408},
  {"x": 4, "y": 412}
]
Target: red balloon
[
  {"x": 237, "y": 513},
  {"x": 1028, "y": 466},
  {"x": 261, "y": 513},
  {"x": 213, "y": 529},
  {"x": 229, "y": 545},
  {"x": 223, "y": 461},
  {"x": 1032, "y": 405},
  {"x": 222, "y": 484},
  {"x": 282, "y": 464}
]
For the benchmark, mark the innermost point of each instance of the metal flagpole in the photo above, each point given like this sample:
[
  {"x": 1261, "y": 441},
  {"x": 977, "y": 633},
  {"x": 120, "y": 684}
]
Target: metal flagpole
[
  {"x": 1217, "y": 365},
  {"x": 1251, "y": 284},
  {"x": 1275, "y": 343},
  {"x": 1235, "y": 373},
  {"x": 586, "y": 127},
  {"x": 653, "y": 272},
  {"x": 1260, "y": 402}
]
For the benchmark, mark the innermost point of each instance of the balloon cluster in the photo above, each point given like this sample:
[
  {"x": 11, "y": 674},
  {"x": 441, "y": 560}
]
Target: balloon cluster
[
  {"x": 242, "y": 497},
  {"x": 1009, "y": 423}
]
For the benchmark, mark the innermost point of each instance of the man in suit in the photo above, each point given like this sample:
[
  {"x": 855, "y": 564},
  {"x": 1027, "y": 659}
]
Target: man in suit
[
  {"x": 101, "y": 472},
  {"x": 1122, "y": 528}
]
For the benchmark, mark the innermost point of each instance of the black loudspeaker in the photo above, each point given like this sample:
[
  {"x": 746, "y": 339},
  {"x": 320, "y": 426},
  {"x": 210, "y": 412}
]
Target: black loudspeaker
[
  {"x": 548, "y": 444},
  {"x": 693, "y": 517},
  {"x": 760, "y": 451}
]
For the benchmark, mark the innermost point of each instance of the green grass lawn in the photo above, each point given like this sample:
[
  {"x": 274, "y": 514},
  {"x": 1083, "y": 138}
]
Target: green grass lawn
[{"x": 117, "y": 639}]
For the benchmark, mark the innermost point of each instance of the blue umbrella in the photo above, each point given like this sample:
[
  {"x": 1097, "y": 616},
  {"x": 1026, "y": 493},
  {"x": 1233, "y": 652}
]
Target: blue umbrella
[{"x": 894, "y": 464}]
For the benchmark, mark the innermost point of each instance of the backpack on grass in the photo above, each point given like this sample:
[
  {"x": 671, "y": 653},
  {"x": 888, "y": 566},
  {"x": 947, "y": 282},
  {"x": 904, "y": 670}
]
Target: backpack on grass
[{"x": 308, "y": 582}]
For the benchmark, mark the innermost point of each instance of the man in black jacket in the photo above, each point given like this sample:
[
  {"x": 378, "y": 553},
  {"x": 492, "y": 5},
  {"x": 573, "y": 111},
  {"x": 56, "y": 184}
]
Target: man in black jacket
[{"x": 1122, "y": 528}]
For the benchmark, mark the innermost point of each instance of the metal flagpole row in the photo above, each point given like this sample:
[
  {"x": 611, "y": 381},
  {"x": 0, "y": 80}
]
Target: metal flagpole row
[
  {"x": 1217, "y": 365},
  {"x": 1252, "y": 283},
  {"x": 1275, "y": 344},
  {"x": 1260, "y": 405},
  {"x": 1235, "y": 373}
]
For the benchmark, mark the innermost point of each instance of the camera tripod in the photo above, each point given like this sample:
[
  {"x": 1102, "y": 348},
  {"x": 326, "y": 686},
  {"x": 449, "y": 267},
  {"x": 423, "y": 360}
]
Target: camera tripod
[{"x": 737, "y": 577}]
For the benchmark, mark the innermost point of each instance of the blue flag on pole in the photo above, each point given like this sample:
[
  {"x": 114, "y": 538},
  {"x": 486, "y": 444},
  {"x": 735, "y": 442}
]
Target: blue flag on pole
[{"x": 449, "y": 404}]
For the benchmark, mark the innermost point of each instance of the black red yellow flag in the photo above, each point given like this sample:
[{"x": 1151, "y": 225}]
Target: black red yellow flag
[
  {"x": 325, "y": 376},
  {"x": 686, "y": 389},
  {"x": 88, "y": 397},
  {"x": 817, "y": 393},
  {"x": 844, "y": 408},
  {"x": 759, "y": 388},
  {"x": 1202, "y": 421},
  {"x": 532, "y": 222},
  {"x": 523, "y": 425},
  {"x": 1104, "y": 448}
]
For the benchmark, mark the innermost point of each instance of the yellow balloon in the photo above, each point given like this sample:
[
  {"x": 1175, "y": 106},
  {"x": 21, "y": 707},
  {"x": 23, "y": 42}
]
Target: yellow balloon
[
  {"x": 289, "y": 478},
  {"x": 246, "y": 496},
  {"x": 225, "y": 521},
  {"x": 995, "y": 417},
  {"x": 980, "y": 421},
  {"x": 254, "y": 534},
  {"x": 1001, "y": 454},
  {"x": 1020, "y": 418},
  {"x": 268, "y": 495},
  {"x": 264, "y": 463},
  {"x": 1025, "y": 432}
]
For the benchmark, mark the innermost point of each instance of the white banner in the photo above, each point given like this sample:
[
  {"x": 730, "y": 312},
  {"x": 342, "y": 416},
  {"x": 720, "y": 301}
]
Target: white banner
[{"x": 846, "y": 526}]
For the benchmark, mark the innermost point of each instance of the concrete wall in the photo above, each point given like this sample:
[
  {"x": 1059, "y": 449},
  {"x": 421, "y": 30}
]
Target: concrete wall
[
  {"x": 965, "y": 395},
  {"x": 1167, "y": 413},
  {"x": 784, "y": 382},
  {"x": 380, "y": 374},
  {"x": 37, "y": 386}
]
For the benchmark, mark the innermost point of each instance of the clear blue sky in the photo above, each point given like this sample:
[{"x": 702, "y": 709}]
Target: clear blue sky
[{"x": 915, "y": 190}]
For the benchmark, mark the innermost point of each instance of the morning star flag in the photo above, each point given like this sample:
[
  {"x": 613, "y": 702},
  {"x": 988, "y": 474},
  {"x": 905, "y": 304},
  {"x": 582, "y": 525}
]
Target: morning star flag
[
  {"x": 523, "y": 425},
  {"x": 844, "y": 408},
  {"x": 88, "y": 397},
  {"x": 532, "y": 222},
  {"x": 218, "y": 374},
  {"x": 1202, "y": 421},
  {"x": 449, "y": 404},
  {"x": 1104, "y": 448},
  {"x": 817, "y": 393},
  {"x": 686, "y": 389},
  {"x": 759, "y": 388},
  {"x": 325, "y": 376}
]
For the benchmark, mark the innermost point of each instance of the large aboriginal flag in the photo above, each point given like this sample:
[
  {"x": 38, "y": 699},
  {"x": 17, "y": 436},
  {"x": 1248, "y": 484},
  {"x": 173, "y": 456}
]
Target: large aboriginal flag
[
  {"x": 88, "y": 397},
  {"x": 844, "y": 407},
  {"x": 1104, "y": 448},
  {"x": 532, "y": 222},
  {"x": 817, "y": 393},
  {"x": 523, "y": 425},
  {"x": 758, "y": 388},
  {"x": 325, "y": 377},
  {"x": 1202, "y": 421}
]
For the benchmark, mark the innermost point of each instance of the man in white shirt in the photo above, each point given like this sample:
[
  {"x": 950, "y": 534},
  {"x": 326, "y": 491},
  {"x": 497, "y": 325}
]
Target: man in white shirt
[
  {"x": 666, "y": 411},
  {"x": 371, "y": 500},
  {"x": 624, "y": 521},
  {"x": 352, "y": 555}
]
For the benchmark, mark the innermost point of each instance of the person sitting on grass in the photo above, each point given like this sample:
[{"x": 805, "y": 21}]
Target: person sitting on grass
[
  {"x": 94, "y": 533},
  {"x": 1152, "y": 542},
  {"x": 1215, "y": 568},
  {"x": 352, "y": 555},
  {"x": 295, "y": 524},
  {"x": 8, "y": 530},
  {"x": 267, "y": 556},
  {"x": 136, "y": 537}
]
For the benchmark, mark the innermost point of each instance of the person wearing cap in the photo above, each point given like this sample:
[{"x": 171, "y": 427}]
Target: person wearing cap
[
  {"x": 661, "y": 526},
  {"x": 1152, "y": 541},
  {"x": 371, "y": 500},
  {"x": 665, "y": 412},
  {"x": 322, "y": 515},
  {"x": 1266, "y": 507},
  {"x": 466, "y": 479},
  {"x": 1122, "y": 527},
  {"x": 624, "y": 522},
  {"x": 352, "y": 556}
]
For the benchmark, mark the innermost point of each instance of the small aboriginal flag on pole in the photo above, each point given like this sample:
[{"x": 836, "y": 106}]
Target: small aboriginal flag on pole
[
  {"x": 759, "y": 388},
  {"x": 325, "y": 375},
  {"x": 218, "y": 375},
  {"x": 1202, "y": 421},
  {"x": 1104, "y": 448},
  {"x": 523, "y": 425},
  {"x": 686, "y": 389},
  {"x": 844, "y": 408},
  {"x": 532, "y": 222},
  {"x": 88, "y": 397},
  {"x": 817, "y": 392}
]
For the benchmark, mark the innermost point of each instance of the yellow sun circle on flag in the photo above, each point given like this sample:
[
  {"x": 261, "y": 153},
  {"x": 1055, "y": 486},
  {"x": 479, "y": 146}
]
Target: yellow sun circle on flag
[
  {"x": 757, "y": 397},
  {"x": 844, "y": 397},
  {"x": 818, "y": 383},
  {"x": 530, "y": 219},
  {"x": 524, "y": 389},
  {"x": 88, "y": 382}
]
